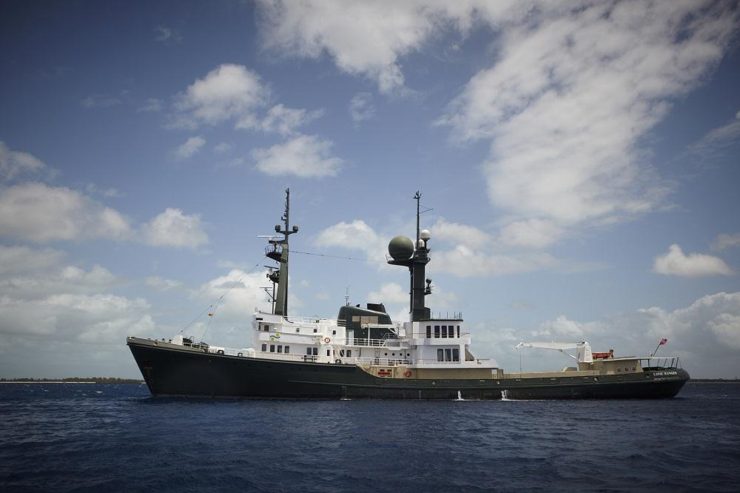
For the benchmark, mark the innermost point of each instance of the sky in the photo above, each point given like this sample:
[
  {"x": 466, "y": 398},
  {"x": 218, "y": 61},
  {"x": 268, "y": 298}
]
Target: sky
[{"x": 578, "y": 164}]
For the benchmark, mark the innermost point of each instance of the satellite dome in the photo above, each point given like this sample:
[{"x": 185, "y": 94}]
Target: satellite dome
[
  {"x": 425, "y": 234},
  {"x": 401, "y": 248}
]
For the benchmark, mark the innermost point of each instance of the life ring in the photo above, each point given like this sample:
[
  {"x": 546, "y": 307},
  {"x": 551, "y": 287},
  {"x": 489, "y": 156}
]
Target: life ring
[
  {"x": 338, "y": 361},
  {"x": 407, "y": 373},
  {"x": 327, "y": 340}
]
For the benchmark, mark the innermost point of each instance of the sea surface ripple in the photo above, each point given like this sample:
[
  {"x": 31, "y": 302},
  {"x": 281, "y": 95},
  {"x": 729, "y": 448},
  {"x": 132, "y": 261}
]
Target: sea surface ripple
[{"x": 77, "y": 437}]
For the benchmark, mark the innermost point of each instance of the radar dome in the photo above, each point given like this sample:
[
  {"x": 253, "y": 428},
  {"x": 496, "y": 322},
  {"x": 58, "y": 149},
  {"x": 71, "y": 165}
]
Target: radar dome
[{"x": 401, "y": 248}]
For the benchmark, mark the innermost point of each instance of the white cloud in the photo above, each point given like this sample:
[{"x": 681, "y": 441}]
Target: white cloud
[
  {"x": 167, "y": 35},
  {"x": 676, "y": 263},
  {"x": 17, "y": 163},
  {"x": 227, "y": 93},
  {"x": 391, "y": 293},
  {"x": 361, "y": 107},
  {"x": 282, "y": 120},
  {"x": 530, "y": 233},
  {"x": 463, "y": 261},
  {"x": 304, "y": 156},
  {"x": 40, "y": 213},
  {"x": 573, "y": 90},
  {"x": 724, "y": 241},
  {"x": 15, "y": 259},
  {"x": 457, "y": 233},
  {"x": 174, "y": 229},
  {"x": 222, "y": 148},
  {"x": 356, "y": 235},
  {"x": 718, "y": 138},
  {"x": 190, "y": 147}
]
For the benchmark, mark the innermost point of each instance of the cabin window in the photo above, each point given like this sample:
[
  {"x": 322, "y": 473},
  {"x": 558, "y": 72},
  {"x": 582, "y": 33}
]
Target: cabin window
[
  {"x": 333, "y": 332},
  {"x": 308, "y": 351},
  {"x": 349, "y": 353},
  {"x": 429, "y": 331},
  {"x": 436, "y": 331},
  {"x": 448, "y": 354},
  {"x": 315, "y": 330},
  {"x": 264, "y": 348},
  {"x": 267, "y": 328},
  {"x": 315, "y": 351},
  {"x": 328, "y": 352},
  {"x": 272, "y": 348},
  {"x": 444, "y": 331},
  {"x": 440, "y": 354},
  {"x": 280, "y": 348},
  {"x": 458, "y": 331},
  {"x": 455, "y": 354},
  {"x": 287, "y": 349},
  {"x": 298, "y": 330}
]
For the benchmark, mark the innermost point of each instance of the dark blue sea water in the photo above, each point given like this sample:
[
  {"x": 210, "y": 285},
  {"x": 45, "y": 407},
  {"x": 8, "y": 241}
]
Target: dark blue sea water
[{"x": 66, "y": 437}]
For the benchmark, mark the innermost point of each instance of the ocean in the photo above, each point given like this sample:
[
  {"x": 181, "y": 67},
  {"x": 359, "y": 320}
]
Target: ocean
[{"x": 88, "y": 437}]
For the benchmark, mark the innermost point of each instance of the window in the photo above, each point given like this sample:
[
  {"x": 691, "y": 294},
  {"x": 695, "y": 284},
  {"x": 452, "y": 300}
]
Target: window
[
  {"x": 429, "y": 331},
  {"x": 448, "y": 354},
  {"x": 298, "y": 330},
  {"x": 349, "y": 353},
  {"x": 455, "y": 354},
  {"x": 333, "y": 332},
  {"x": 315, "y": 330},
  {"x": 328, "y": 352},
  {"x": 280, "y": 348},
  {"x": 458, "y": 331},
  {"x": 444, "y": 331},
  {"x": 264, "y": 347},
  {"x": 287, "y": 349},
  {"x": 315, "y": 351},
  {"x": 267, "y": 328},
  {"x": 436, "y": 331},
  {"x": 308, "y": 351},
  {"x": 440, "y": 354},
  {"x": 272, "y": 348}
]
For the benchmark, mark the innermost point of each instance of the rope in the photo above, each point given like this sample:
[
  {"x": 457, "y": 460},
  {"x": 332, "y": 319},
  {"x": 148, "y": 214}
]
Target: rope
[{"x": 327, "y": 256}]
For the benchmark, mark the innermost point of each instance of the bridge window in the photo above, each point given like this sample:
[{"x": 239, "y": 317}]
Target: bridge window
[
  {"x": 458, "y": 331},
  {"x": 440, "y": 354},
  {"x": 455, "y": 354},
  {"x": 436, "y": 331},
  {"x": 429, "y": 331},
  {"x": 448, "y": 354}
]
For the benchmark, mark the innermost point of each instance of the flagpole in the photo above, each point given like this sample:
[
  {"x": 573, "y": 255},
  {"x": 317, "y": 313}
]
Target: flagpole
[{"x": 656, "y": 350}]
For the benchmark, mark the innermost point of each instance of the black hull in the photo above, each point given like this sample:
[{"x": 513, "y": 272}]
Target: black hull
[{"x": 172, "y": 371}]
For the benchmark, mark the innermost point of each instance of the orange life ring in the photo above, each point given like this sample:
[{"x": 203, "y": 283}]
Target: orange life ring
[{"x": 407, "y": 373}]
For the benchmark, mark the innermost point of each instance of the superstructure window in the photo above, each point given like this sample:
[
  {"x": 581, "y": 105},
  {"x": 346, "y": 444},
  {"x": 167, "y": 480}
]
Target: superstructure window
[
  {"x": 440, "y": 355},
  {"x": 436, "y": 331},
  {"x": 280, "y": 348},
  {"x": 349, "y": 353},
  {"x": 444, "y": 331},
  {"x": 448, "y": 354},
  {"x": 264, "y": 348},
  {"x": 287, "y": 349},
  {"x": 308, "y": 351},
  {"x": 455, "y": 354},
  {"x": 458, "y": 331},
  {"x": 315, "y": 351},
  {"x": 272, "y": 348},
  {"x": 429, "y": 331}
]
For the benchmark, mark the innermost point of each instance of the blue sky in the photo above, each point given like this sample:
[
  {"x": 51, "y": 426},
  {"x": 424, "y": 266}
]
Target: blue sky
[{"x": 580, "y": 161}]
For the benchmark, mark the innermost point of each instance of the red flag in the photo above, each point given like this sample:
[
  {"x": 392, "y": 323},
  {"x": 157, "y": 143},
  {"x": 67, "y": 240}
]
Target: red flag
[{"x": 663, "y": 342}]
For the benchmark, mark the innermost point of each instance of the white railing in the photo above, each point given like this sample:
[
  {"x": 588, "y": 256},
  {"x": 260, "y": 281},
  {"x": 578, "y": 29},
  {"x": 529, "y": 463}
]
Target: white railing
[{"x": 659, "y": 362}]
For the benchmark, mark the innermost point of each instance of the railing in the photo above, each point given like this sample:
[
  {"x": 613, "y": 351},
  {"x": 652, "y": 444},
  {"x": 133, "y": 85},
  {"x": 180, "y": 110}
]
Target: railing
[{"x": 659, "y": 362}]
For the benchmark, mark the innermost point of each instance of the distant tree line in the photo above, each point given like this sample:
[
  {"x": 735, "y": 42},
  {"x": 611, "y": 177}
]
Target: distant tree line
[{"x": 75, "y": 380}]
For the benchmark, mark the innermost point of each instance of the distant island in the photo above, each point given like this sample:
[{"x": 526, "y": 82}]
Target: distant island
[{"x": 72, "y": 380}]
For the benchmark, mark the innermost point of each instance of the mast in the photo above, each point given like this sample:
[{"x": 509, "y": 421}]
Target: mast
[{"x": 280, "y": 252}]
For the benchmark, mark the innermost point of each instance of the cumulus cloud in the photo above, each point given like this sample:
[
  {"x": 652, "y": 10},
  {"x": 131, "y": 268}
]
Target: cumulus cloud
[
  {"x": 361, "y": 107},
  {"x": 190, "y": 147},
  {"x": 456, "y": 233},
  {"x": 40, "y": 213},
  {"x": 355, "y": 235},
  {"x": 151, "y": 105},
  {"x": 14, "y": 164},
  {"x": 389, "y": 293},
  {"x": 227, "y": 93},
  {"x": 15, "y": 259},
  {"x": 676, "y": 263},
  {"x": 304, "y": 156},
  {"x": 173, "y": 228}
]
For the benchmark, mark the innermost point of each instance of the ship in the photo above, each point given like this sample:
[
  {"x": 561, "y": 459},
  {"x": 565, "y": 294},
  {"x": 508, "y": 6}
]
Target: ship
[{"x": 363, "y": 354}]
